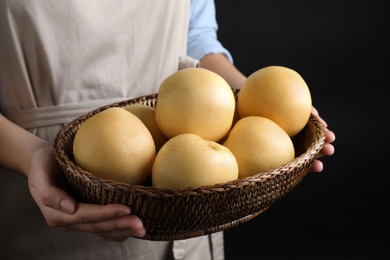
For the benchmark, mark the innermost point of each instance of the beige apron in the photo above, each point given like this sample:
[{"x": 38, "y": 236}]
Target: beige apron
[{"x": 61, "y": 59}]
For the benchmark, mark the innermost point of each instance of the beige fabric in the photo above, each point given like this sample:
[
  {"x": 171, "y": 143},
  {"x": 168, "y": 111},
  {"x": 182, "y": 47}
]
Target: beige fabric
[
  {"x": 69, "y": 52},
  {"x": 66, "y": 57}
]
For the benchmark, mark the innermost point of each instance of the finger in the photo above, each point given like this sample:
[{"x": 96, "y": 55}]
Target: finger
[
  {"x": 330, "y": 137},
  {"x": 58, "y": 199},
  {"x": 314, "y": 111},
  {"x": 327, "y": 150},
  {"x": 85, "y": 213},
  {"x": 91, "y": 213},
  {"x": 121, "y": 235},
  {"x": 131, "y": 223},
  {"x": 317, "y": 166}
]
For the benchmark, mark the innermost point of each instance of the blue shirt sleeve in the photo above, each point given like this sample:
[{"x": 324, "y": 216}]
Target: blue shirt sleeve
[{"x": 202, "y": 33}]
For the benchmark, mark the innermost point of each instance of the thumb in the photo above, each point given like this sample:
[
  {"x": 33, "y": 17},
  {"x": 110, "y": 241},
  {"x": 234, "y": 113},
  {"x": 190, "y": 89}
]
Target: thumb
[{"x": 58, "y": 199}]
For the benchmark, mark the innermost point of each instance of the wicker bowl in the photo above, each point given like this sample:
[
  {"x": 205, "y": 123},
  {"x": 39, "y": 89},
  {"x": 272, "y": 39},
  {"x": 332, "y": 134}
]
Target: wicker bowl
[{"x": 172, "y": 214}]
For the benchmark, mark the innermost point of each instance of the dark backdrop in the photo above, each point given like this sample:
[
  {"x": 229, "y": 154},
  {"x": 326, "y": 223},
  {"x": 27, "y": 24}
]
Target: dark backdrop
[{"x": 341, "y": 48}]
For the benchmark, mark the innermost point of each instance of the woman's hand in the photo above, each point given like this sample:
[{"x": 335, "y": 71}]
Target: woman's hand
[
  {"x": 327, "y": 149},
  {"x": 111, "y": 222}
]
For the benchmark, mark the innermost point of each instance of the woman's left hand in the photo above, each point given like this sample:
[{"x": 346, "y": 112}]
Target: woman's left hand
[{"x": 327, "y": 149}]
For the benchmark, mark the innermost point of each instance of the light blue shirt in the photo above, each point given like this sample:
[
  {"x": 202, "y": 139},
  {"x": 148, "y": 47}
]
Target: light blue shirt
[{"x": 202, "y": 34}]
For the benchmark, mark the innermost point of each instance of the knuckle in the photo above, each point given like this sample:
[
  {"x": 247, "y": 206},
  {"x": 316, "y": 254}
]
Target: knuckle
[
  {"x": 52, "y": 222},
  {"x": 45, "y": 197},
  {"x": 93, "y": 228},
  {"x": 81, "y": 218}
]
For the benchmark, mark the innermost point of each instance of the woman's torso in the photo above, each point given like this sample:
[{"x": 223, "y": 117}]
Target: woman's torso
[{"x": 66, "y": 57}]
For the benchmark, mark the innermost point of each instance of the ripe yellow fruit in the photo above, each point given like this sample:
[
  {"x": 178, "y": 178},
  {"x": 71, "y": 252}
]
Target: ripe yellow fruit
[
  {"x": 195, "y": 100},
  {"x": 278, "y": 93},
  {"x": 259, "y": 144},
  {"x": 147, "y": 114},
  {"x": 187, "y": 160},
  {"x": 115, "y": 145}
]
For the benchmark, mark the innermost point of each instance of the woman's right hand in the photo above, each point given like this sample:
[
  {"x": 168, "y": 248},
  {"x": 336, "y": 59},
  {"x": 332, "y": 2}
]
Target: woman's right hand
[{"x": 112, "y": 222}]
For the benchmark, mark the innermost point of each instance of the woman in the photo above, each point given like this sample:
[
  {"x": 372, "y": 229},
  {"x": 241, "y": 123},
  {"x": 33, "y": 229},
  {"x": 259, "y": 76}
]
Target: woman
[{"x": 61, "y": 59}]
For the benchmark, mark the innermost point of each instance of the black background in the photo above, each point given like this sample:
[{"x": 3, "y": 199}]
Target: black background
[{"x": 341, "y": 49}]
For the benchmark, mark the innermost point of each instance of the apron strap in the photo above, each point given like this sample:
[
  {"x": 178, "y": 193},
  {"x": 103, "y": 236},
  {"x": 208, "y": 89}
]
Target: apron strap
[
  {"x": 188, "y": 62},
  {"x": 54, "y": 115},
  {"x": 65, "y": 113}
]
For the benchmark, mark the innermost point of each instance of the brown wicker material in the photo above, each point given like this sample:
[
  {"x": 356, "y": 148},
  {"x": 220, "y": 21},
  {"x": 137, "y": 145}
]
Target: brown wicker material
[{"x": 171, "y": 214}]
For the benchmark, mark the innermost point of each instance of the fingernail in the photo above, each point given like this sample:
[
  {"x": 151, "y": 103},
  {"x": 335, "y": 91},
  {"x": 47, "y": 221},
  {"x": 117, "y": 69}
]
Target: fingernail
[{"x": 67, "y": 206}]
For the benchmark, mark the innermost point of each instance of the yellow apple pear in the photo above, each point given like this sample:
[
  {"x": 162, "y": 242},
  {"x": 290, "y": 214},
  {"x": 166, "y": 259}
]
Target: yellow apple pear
[
  {"x": 187, "y": 160},
  {"x": 259, "y": 144},
  {"x": 115, "y": 145},
  {"x": 278, "y": 93},
  {"x": 147, "y": 114},
  {"x": 195, "y": 100}
]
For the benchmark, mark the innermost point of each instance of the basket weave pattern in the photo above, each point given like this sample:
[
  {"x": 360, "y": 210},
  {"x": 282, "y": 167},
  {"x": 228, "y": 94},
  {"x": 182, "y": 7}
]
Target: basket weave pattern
[{"x": 181, "y": 213}]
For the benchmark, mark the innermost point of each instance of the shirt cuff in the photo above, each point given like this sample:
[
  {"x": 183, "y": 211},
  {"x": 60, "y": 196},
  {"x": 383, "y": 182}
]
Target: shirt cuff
[{"x": 206, "y": 44}]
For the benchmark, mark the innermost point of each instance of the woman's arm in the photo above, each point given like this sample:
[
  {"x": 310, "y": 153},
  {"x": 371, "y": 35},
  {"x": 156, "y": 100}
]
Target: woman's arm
[
  {"x": 220, "y": 64},
  {"x": 17, "y": 145},
  {"x": 33, "y": 157}
]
